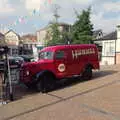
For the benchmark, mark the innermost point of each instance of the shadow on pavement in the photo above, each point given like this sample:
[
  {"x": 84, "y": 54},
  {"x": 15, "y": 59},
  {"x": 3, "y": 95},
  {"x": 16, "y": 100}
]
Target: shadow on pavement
[
  {"x": 103, "y": 73},
  {"x": 70, "y": 82},
  {"x": 21, "y": 91}
]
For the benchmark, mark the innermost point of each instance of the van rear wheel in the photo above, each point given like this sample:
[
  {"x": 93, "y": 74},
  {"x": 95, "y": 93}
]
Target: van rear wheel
[{"x": 87, "y": 74}]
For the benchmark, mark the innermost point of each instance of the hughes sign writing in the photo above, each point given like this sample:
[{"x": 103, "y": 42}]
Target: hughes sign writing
[{"x": 76, "y": 53}]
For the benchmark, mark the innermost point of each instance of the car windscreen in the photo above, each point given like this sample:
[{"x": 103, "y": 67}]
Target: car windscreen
[{"x": 48, "y": 55}]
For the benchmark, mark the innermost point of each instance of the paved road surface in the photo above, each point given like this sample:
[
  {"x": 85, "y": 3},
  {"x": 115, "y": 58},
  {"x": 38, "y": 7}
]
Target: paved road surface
[{"x": 97, "y": 99}]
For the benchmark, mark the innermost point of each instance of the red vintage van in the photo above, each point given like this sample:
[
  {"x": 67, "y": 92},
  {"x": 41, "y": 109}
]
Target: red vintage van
[{"x": 58, "y": 62}]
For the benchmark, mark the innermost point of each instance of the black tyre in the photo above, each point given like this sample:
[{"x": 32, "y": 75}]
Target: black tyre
[
  {"x": 30, "y": 86},
  {"x": 45, "y": 83},
  {"x": 39, "y": 86},
  {"x": 87, "y": 74}
]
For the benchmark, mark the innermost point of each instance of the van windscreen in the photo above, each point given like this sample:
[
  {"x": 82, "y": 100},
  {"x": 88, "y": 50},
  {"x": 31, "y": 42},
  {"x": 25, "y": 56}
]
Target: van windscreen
[{"x": 48, "y": 55}]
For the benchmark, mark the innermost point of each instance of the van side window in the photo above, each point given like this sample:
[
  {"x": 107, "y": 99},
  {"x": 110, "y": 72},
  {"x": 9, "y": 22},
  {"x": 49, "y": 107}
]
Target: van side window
[{"x": 59, "y": 55}]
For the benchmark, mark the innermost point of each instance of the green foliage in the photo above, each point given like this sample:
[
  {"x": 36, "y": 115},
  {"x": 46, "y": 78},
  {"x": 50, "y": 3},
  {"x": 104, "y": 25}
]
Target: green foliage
[
  {"x": 66, "y": 35},
  {"x": 81, "y": 32},
  {"x": 55, "y": 35},
  {"x": 82, "y": 29}
]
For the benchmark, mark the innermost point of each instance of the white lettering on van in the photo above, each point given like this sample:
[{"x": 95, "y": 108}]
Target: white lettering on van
[
  {"x": 74, "y": 54},
  {"x": 77, "y": 53}
]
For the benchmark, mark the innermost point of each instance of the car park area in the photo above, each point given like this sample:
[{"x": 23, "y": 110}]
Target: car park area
[{"x": 96, "y": 99}]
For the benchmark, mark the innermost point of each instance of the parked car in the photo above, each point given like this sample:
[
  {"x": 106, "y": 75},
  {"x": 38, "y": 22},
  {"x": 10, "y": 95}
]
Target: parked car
[
  {"x": 15, "y": 60},
  {"x": 27, "y": 58}
]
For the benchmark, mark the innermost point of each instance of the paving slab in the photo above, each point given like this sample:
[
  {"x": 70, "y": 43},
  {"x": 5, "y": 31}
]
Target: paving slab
[
  {"x": 66, "y": 110},
  {"x": 105, "y": 99},
  {"x": 23, "y": 106},
  {"x": 97, "y": 99},
  {"x": 88, "y": 86},
  {"x": 102, "y": 104}
]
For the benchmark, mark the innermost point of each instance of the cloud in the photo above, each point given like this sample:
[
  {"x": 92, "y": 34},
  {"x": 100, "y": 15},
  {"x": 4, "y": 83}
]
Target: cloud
[
  {"x": 34, "y": 4},
  {"x": 112, "y": 6},
  {"x": 5, "y": 7},
  {"x": 83, "y": 2},
  {"x": 45, "y": 7},
  {"x": 107, "y": 25},
  {"x": 104, "y": 12},
  {"x": 67, "y": 13},
  {"x": 99, "y": 16},
  {"x": 80, "y": 2},
  {"x": 106, "y": 16}
]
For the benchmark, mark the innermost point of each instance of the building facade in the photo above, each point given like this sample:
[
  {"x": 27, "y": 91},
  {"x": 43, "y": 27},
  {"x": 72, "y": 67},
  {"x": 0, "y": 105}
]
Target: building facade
[
  {"x": 97, "y": 34},
  {"x": 27, "y": 41},
  {"x": 2, "y": 39},
  {"x": 29, "y": 45},
  {"x": 110, "y": 48},
  {"x": 41, "y": 36},
  {"x": 12, "y": 41},
  {"x": 44, "y": 35},
  {"x": 118, "y": 45}
]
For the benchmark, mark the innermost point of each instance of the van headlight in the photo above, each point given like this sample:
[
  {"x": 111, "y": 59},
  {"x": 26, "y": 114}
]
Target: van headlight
[{"x": 27, "y": 73}]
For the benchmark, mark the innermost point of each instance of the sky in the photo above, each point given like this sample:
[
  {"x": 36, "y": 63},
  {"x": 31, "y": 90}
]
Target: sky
[{"x": 29, "y": 16}]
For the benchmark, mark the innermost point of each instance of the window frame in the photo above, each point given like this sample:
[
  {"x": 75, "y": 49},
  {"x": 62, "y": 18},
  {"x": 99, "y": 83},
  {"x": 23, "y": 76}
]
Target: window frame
[
  {"x": 60, "y": 58},
  {"x": 51, "y": 58}
]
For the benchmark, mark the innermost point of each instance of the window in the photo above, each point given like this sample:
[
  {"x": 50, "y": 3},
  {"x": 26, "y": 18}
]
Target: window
[
  {"x": 59, "y": 55},
  {"x": 14, "y": 51},
  {"x": 46, "y": 55},
  {"x": 109, "y": 48}
]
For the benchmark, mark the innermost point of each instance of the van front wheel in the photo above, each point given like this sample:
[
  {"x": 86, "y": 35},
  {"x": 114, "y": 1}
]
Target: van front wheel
[
  {"x": 87, "y": 74},
  {"x": 45, "y": 83}
]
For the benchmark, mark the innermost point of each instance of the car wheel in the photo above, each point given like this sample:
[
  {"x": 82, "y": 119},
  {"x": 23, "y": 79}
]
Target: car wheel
[
  {"x": 30, "y": 86},
  {"x": 39, "y": 86},
  {"x": 87, "y": 74},
  {"x": 45, "y": 83}
]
